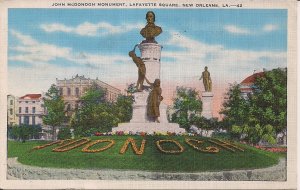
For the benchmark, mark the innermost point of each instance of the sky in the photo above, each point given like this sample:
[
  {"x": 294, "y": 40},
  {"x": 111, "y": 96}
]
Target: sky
[{"x": 45, "y": 44}]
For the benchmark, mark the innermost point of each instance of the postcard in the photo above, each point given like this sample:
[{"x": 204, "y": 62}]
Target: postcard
[{"x": 148, "y": 94}]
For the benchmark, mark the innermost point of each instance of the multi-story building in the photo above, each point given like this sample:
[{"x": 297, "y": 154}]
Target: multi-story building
[
  {"x": 31, "y": 109},
  {"x": 12, "y": 105},
  {"x": 72, "y": 89},
  {"x": 247, "y": 84}
]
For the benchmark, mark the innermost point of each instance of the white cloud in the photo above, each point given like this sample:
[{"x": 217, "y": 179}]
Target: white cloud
[
  {"x": 33, "y": 52},
  {"x": 226, "y": 65},
  {"x": 56, "y": 27},
  {"x": 42, "y": 73},
  {"x": 25, "y": 40},
  {"x": 91, "y": 29},
  {"x": 236, "y": 30},
  {"x": 22, "y": 80},
  {"x": 270, "y": 27}
]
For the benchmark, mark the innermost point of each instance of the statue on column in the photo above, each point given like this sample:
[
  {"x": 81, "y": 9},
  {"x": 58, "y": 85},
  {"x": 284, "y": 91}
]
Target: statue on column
[
  {"x": 150, "y": 31},
  {"x": 141, "y": 70},
  {"x": 206, "y": 80}
]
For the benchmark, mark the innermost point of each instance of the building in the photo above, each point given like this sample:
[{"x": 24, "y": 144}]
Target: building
[
  {"x": 247, "y": 84},
  {"x": 12, "y": 106},
  {"x": 31, "y": 109},
  {"x": 72, "y": 89}
]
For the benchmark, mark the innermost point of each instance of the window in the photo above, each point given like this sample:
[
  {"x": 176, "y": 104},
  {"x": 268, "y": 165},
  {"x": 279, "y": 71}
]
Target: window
[
  {"x": 33, "y": 109},
  {"x": 26, "y": 110},
  {"x": 26, "y": 102},
  {"x": 61, "y": 92},
  {"x": 11, "y": 102},
  {"x": 33, "y": 102},
  {"x": 10, "y": 111},
  {"x": 20, "y": 120},
  {"x": 76, "y": 106},
  {"x": 69, "y": 91},
  {"x": 26, "y": 120},
  {"x": 33, "y": 120},
  {"x": 20, "y": 109},
  {"x": 77, "y": 92}
]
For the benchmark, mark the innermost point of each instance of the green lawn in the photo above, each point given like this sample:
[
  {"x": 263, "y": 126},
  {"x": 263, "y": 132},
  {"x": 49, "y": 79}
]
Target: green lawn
[{"x": 191, "y": 160}]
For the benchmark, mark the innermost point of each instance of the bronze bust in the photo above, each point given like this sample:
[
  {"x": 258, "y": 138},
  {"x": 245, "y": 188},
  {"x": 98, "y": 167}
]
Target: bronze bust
[{"x": 150, "y": 31}]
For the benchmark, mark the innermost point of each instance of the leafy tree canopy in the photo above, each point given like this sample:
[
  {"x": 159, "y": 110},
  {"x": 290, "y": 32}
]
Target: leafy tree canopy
[
  {"x": 263, "y": 114},
  {"x": 187, "y": 103},
  {"x": 55, "y": 106}
]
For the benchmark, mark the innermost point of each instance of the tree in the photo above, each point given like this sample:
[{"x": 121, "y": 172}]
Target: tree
[
  {"x": 25, "y": 132},
  {"x": 95, "y": 95},
  {"x": 235, "y": 108},
  {"x": 263, "y": 114},
  {"x": 123, "y": 108},
  {"x": 95, "y": 113},
  {"x": 64, "y": 133},
  {"x": 269, "y": 99},
  {"x": 186, "y": 104},
  {"x": 55, "y": 106}
]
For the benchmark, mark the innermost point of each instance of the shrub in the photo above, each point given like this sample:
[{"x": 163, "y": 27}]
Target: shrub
[{"x": 64, "y": 133}]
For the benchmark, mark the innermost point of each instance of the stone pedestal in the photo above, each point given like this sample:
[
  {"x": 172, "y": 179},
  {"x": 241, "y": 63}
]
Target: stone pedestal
[
  {"x": 207, "y": 104},
  {"x": 150, "y": 54},
  {"x": 140, "y": 121},
  {"x": 149, "y": 128},
  {"x": 139, "y": 114}
]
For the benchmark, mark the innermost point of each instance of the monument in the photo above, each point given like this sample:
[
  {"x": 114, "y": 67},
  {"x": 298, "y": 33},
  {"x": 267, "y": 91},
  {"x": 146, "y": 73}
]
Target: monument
[
  {"x": 149, "y": 112},
  {"x": 207, "y": 95}
]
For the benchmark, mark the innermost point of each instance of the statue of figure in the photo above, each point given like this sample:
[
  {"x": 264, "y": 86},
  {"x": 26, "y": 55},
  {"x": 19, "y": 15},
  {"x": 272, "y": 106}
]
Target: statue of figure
[
  {"x": 154, "y": 100},
  {"x": 141, "y": 70},
  {"x": 206, "y": 80},
  {"x": 151, "y": 30}
]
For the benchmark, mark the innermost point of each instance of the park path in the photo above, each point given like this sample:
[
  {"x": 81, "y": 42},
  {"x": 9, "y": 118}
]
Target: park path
[{"x": 16, "y": 171}]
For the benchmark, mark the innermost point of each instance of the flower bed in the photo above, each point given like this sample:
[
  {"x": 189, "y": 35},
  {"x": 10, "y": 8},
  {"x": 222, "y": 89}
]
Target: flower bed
[
  {"x": 134, "y": 147},
  {"x": 75, "y": 144},
  {"x": 272, "y": 149},
  {"x": 181, "y": 149},
  {"x": 88, "y": 150},
  {"x": 210, "y": 149}
]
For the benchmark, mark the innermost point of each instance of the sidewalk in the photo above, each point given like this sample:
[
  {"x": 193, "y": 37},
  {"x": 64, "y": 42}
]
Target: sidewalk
[{"x": 16, "y": 170}]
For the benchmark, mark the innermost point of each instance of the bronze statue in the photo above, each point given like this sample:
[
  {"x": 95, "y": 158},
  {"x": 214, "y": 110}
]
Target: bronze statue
[
  {"x": 151, "y": 30},
  {"x": 206, "y": 80},
  {"x": 154, "y": 100},
  {"x": 141, "y": 70}
]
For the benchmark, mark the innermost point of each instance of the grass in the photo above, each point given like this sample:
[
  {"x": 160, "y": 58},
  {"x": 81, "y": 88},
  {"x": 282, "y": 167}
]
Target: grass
[{"x": 191, "y": 160}]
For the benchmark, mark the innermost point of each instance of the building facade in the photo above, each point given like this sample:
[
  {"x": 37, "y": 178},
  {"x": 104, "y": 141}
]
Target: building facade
[
  {"x": 12, "y": 106},
  {"x": 72, "y": 89},
  {"x": 247, "y": 84},
  {"x": 31, "y": 109}
]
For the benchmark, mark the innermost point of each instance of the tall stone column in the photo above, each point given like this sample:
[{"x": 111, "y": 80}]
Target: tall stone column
[
  {"x": 207, "y": 104},
  {"x": 150, "y": 54}
]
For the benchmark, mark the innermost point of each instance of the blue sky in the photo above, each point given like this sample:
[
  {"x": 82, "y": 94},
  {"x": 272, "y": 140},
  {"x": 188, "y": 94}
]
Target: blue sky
[
  {"x": 45, "y": 44},
  {"x": 204, "y": 25}
]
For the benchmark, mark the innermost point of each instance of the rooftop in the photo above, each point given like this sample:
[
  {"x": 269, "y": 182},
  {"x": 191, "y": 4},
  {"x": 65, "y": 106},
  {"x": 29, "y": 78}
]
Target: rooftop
[
  {"x": 31, "y": 96},
  {"x": 251, "y": 79}
]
